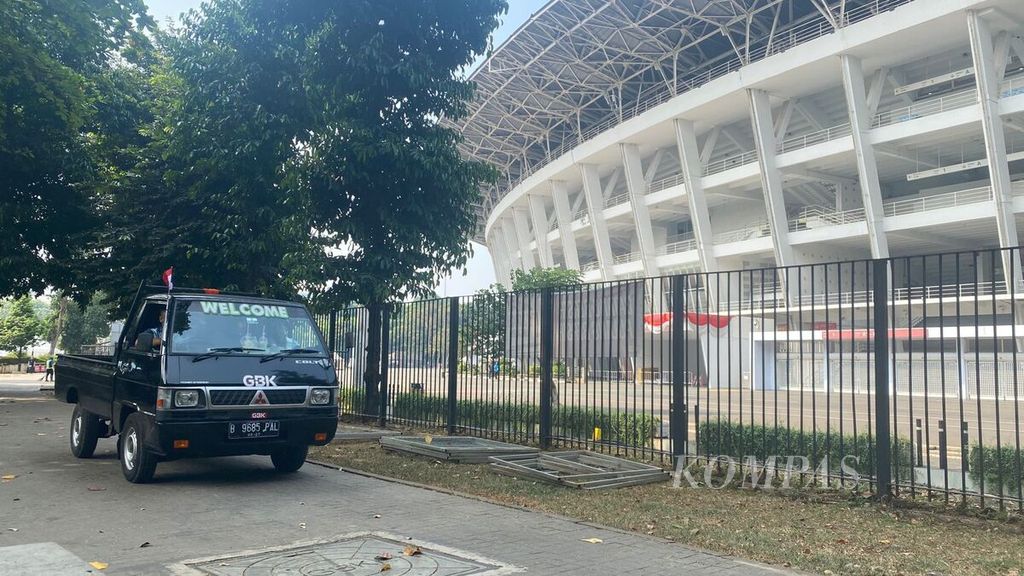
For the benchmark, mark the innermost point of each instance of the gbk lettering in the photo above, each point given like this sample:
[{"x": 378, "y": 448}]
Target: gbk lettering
[{"x": 259, "y": 380}]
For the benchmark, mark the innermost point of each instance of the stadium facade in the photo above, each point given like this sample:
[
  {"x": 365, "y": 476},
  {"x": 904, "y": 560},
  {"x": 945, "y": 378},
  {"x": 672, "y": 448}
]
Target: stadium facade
[{"x": 641, "y": 138}]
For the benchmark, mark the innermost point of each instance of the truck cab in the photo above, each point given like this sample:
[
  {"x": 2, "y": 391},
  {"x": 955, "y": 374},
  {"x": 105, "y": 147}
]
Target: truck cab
[{"x": 200, "y": 373}]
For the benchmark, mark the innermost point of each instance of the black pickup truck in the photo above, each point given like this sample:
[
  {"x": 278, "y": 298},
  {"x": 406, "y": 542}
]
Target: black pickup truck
[{"x": 198, "y": 372}]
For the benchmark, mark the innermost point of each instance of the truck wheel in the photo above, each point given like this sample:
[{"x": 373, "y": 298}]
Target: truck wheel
[
  {"x": 137, "y": 463},
  {"x": 289, "y": 460},
  {"x": 85, "y": 431}
]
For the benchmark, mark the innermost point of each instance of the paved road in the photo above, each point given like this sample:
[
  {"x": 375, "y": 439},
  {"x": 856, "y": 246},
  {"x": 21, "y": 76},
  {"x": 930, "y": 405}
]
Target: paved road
[{"x": 217, "y": 507}]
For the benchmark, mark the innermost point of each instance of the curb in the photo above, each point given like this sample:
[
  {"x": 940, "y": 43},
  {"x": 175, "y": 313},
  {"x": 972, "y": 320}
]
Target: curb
[{"x": 577, "y": 521}]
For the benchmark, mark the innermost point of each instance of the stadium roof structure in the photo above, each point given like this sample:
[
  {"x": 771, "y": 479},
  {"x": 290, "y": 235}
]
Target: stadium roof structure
[{"x": 578, "y": 67}]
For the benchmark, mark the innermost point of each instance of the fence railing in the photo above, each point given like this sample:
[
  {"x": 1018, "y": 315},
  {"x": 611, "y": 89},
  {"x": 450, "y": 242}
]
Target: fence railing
[
  {"x": 937, "y": 201},
  {"x": 681, "y": 243},
  {"x": 666, "y": 183},
  {"x": 812, "y": 138},
  {"x": 752, "y": 231},
  {"x": 730, "y": 162},
  {"x": 913, "y": 371}
]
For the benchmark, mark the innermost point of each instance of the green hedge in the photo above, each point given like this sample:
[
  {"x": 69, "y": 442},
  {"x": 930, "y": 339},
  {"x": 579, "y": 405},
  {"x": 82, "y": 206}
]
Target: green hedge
[
  {"x": 350, "y": 400},
  {"x": 742, "y": 440},
  {"x": 1002, "y": 468},
  {"x": 570, "y": 422}
]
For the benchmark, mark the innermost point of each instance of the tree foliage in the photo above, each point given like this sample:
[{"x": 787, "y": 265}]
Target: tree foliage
[
  {"x": 482, "y": 323},
  {"x": 51, "y": 57},
  {"x": 279, "y": 147},
  {"x": 539, "y": 278},
  {"x": 20, "y": 327},
  {"x": 81, "y": 325}
]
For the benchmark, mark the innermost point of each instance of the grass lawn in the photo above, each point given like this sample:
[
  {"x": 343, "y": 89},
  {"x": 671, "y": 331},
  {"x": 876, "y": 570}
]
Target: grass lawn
[{"x": 816, "y": 531}]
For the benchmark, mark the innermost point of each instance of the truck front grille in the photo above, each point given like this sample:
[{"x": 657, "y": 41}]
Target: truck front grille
[{"x": 244, "y": 397}]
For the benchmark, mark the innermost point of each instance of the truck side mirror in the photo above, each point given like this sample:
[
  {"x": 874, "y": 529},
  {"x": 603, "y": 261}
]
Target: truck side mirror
[{"x": 144, "y": 342}]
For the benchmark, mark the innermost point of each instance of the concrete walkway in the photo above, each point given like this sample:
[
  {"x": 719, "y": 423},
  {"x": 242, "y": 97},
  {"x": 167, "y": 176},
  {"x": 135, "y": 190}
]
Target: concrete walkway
[{"x": 217, "y": 508}]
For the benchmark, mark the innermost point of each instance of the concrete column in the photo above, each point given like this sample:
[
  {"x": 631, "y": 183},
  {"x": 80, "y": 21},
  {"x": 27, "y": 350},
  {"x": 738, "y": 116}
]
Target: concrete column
[
  {"x": 595, "y": 209},
  {"x": 867, "y": 168},
  {"x": 523, "y": 234},
  {"x": 637, "y": 186},
  {"x": 508, "y": 233},
  {"x": 496, "y": 262},
  {"x": 560, "y": 194},
  {"x": 846, "y": 196},
  {"x": 540, "y": 230},
  {"x": 987, "y": 79},
  {"x": 690, "y": 160},
  {"x": 771, "y": 178},
  {"x": 500, "y": 257}
]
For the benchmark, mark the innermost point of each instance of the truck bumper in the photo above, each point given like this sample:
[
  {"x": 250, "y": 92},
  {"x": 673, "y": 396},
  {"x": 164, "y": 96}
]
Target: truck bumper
[{"x": 210, "y": 437}]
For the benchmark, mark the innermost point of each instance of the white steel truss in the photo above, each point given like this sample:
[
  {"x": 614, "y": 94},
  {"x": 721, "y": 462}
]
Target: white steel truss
[{"x": 578, "y": 67}]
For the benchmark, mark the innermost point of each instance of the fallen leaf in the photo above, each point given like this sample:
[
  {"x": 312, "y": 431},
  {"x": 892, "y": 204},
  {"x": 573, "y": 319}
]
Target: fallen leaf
[
  {"x": 99, "y": 565},
  {"x": 145, "y": 545},
  {"x": 8, "y": 477},
  {"x": 593, "y": 540},
  {"x": 411, "y": 550},
  {"x": 383, "y": 556},
  {"x": 428, "y": 439},
  {"x": 385, "y": 567},
  {"x": 95, "y": 488}
]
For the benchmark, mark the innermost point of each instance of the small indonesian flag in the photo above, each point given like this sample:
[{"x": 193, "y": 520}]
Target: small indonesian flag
[{"x": 168, "y": 277}]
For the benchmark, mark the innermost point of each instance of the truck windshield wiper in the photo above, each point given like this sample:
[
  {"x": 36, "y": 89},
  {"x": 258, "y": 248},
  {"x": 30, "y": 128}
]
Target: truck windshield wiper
[
  {"x": 216, "y": 351},
  {"x": 281, "y": 353}
]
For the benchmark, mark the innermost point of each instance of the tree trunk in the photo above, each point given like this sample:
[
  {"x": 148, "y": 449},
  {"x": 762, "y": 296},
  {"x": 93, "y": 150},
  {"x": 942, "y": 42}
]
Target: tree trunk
[
  {"x": 58, "y": 326},
  {"x": 371, "y": 376}
]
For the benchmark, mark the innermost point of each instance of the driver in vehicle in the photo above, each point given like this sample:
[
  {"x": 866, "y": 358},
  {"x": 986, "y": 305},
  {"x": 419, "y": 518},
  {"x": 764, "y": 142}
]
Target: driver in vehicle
[{"x": 156, "y": 332}]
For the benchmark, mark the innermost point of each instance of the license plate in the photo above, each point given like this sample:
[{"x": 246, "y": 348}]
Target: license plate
[{"x": 254, "y": 429}]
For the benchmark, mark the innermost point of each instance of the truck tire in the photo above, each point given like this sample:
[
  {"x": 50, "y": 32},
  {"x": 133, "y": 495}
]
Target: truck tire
[
  {"x": 137, "y": 463},
  {"x": 290, "y": 460},
  {"x": 86, "y": 428}
]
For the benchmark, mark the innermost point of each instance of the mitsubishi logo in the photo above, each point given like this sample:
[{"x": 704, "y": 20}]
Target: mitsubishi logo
[{"x": 260, "y": 399}]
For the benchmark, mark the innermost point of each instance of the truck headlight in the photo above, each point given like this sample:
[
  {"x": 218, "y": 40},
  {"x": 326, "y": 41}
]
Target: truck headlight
[
  {"x": 320, "y": 396},
  {"x": 186, "y": 398}
]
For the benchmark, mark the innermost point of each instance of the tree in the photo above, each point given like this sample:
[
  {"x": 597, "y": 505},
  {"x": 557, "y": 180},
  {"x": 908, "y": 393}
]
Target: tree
[
  {"x": 539, "y": 278},
  {"x": 79, "y": 325},
  {"x": 20, "y": 327},
  {"x": 417, "y": 332},
  {"x": 482, "y": 323},
  {"x": 312, "y": 148},
  {"x": 50, "y": 53}
]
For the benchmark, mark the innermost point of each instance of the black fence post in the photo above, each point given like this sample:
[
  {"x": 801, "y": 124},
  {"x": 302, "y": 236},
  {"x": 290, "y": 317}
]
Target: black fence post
[
  {"x": 385, "y": 360},
  {"x": 453, "y": 363},
  {"x": 943, "y": 446},
  {"x": 679, "y": 426},
  {"x": 883, "y": 444},
  {"x": 332, "y": 333},
  {"x": 547, "y": 362}
]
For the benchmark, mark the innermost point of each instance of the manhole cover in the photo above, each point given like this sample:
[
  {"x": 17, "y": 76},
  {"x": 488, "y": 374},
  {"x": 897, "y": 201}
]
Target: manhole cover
[{"x": 355, "y": 555}]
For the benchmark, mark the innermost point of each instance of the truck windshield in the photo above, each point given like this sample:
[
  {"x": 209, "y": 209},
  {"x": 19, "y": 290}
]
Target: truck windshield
[{"x": 201, "y": 326}]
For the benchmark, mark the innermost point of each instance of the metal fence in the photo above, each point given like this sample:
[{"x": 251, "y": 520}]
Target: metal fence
[{"x": 761, "y": 362}]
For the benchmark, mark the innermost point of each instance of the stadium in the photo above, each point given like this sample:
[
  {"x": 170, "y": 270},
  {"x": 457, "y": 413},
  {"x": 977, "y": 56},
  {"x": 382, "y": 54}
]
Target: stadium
[
  {"x": 727, "y": 174},
  {"x": 640, "y": 138}
]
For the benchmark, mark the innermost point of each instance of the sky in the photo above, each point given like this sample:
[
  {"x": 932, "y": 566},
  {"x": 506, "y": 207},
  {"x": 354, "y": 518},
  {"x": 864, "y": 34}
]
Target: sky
[{"x": 479, "y": 270}]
